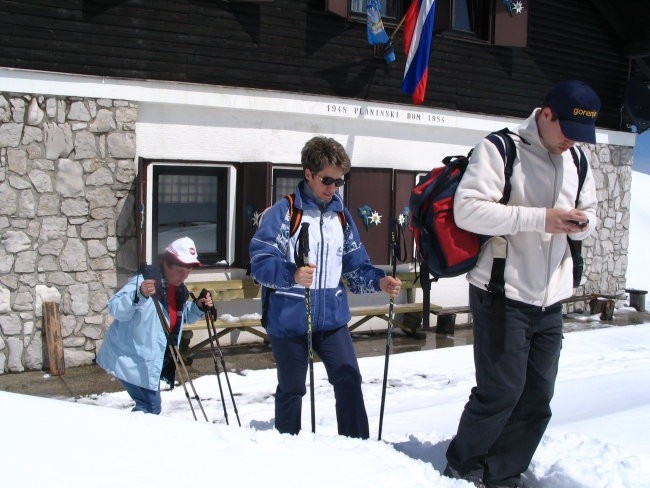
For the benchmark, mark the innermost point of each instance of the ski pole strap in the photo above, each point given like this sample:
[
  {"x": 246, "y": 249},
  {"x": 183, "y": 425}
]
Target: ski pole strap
[{"x": 398, "y": 242}]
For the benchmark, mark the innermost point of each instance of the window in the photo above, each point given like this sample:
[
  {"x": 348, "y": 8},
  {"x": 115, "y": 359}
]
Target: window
[
  {"x": 485, "y": 21},
  {"x": 190, "y": 201},
  {"x": 391, "y": 10},
  {"x": 285, "y": 181},
  {"x": 471, "y": 18}
]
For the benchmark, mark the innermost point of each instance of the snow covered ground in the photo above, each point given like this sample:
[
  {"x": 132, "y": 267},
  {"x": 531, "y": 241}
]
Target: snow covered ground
[{"x": 599, "y": 436}]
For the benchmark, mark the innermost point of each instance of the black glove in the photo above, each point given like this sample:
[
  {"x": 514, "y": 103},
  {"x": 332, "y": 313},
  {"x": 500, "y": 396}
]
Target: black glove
[{"x": 212, "y": 310}]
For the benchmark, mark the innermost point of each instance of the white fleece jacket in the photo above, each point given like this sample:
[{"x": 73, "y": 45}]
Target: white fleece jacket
[{"x": 538, "y": 265}]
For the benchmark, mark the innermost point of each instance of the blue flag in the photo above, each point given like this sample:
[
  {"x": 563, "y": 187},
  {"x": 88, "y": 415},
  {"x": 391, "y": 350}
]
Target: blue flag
[{"x": 376, "y": 33}]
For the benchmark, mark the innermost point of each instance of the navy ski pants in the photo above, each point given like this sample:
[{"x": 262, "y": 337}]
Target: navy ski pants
[
  {"x": 146, "y": 400},
  {"x": 335, "y": 349},
  {"x": 509, "y": 408}
]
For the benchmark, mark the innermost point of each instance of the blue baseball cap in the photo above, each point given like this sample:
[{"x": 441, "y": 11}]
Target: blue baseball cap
[{"x": 577, "y": 106}]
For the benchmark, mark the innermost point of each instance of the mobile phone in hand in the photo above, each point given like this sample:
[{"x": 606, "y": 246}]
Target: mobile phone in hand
[{"x": 578, "y": 223}]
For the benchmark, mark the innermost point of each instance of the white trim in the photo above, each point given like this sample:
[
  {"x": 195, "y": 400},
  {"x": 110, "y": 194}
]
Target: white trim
[{"x": 211, "y": 96}]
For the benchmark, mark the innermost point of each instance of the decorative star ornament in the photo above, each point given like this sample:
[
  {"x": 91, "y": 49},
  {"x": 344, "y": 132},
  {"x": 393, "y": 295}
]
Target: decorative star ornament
[
  {"x": 368, "y": 216},
  {"x": 256, "y": 219},
  {"x": 514, "y": 7},
  {"x": 253, "y": 217},
  {"x": 403, "y": 218}
]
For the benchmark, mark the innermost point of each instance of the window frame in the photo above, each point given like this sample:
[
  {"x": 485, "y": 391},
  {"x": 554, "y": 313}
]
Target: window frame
[
  {"x": 394, "y": 9},
  {"x": 148, "y": 202},
  {"x": 284, "y": 172},
  {"x": 495, "y": 25}
]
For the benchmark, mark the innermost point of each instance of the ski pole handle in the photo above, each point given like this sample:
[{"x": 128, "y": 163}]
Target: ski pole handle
[{"x": 303, "y": 239}]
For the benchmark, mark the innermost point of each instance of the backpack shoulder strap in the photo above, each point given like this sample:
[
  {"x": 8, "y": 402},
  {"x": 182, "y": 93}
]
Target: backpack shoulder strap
[
  {"x": 580, "y": 161},
  {"x": 295, "y": 214},
  {"x": 342, "y": 219},
  {"x": 504, "y": 143}
]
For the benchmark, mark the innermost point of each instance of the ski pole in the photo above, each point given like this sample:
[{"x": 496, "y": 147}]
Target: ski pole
[
  {"x": 178, "y": 360},
  {"x": 212, "y": 333},
  {"x": 389, "y": 338},
  {"x": 214, "y": 358},
  {"x": 225, "y": 370},
  {"x": 303, "y": 244}
]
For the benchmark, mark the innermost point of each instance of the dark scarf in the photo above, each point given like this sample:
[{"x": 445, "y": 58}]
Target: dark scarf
[{"x": 168, "y": 372}]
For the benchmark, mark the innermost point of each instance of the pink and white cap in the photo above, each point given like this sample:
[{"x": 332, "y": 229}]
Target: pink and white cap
[{"x": 183, "y": 250}]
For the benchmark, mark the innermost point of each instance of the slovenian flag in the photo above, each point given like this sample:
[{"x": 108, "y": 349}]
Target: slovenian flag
[
  {"x": 376, "y": 33},
  {"x": 418, "y": 31}
]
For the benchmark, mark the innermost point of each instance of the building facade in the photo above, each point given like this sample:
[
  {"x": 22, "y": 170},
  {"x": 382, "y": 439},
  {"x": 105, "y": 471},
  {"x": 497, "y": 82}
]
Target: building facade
[{"x": 178, "y": 118}]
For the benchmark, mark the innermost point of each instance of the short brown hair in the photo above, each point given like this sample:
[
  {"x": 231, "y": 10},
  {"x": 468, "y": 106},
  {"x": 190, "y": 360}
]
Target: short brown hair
[{"x": 320, "y": 152}]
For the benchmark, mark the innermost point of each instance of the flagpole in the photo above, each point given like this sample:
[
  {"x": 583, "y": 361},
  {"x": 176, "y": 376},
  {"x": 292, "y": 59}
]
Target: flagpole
[
  {"x": 392, "y": 36},
  {"x": 380, "y": 49}
]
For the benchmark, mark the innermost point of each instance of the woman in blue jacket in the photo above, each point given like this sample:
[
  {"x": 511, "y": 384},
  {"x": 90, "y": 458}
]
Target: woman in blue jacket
[
  {"x": 135, "y": 347},
  {"x": 335, "y": 251}
]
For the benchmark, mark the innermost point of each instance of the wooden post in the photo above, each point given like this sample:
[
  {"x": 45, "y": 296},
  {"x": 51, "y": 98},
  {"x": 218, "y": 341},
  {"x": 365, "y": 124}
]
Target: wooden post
[{"x": 52, "y": 329}]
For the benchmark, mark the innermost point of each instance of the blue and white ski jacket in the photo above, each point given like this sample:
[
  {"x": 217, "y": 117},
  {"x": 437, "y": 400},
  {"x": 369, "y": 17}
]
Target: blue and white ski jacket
[
  {"x": 134, "y": 346},
  {"x": 336, "y": 251}
]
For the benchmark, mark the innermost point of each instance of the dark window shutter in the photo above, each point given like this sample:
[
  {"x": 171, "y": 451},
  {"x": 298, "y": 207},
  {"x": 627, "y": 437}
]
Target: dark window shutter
[
  {"x": 372, "y": 187},
  {"x": 442, "y": 20},
  {"x": 338, "y": 7},
  {"x": 254, "y": 193},
  {"x": 510, "y": 31}
]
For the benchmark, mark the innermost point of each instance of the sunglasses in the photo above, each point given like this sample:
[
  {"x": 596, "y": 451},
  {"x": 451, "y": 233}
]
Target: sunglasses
[{"x": 328, "y": 180}]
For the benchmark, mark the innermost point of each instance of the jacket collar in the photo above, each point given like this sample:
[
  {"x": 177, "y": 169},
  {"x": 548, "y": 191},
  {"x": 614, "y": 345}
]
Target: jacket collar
[
  {"x": 528, "y": 130},
  {"x": 305, "y": 200}
]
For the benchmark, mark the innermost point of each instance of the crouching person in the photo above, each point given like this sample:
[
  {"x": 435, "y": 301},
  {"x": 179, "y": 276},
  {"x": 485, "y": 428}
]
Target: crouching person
[{"x": 135, "y": 347}]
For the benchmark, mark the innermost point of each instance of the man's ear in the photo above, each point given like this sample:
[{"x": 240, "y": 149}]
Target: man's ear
[{"x": 547, "y": 113}]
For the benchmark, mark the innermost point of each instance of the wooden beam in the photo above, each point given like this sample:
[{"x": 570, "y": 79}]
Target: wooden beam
[{"x": 52, "y": 330}]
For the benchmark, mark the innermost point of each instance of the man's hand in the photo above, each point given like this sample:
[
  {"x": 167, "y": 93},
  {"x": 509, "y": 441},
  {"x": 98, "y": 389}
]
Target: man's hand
[
  {"x": 560, "y": 221},
  {"x": 304, "y": 275},
  {"x": 390, "y": 285}
]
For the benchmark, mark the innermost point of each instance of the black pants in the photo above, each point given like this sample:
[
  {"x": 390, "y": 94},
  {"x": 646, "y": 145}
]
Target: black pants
[
  {"x": 336, "y": 351},
  {"x": 508, "y": 409}
]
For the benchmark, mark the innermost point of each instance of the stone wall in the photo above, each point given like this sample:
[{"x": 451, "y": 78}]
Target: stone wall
[
  {"x": 66, "y": 172},
  {"x": 605, "y": 251}
]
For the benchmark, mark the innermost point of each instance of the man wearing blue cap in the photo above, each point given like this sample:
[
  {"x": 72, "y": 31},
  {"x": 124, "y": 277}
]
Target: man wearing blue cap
[{"x": 518, "y": 329}]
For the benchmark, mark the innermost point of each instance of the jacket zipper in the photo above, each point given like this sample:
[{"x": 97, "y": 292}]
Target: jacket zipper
[
  {"x": 321, "y": 248},
  {"x": 550, "y": 248}
]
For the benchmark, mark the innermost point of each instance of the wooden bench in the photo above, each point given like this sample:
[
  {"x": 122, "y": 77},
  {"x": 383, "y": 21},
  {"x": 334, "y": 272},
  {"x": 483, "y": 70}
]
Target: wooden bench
[
  {"x": 446, "y": 322},
  {"x": 246, "y": 289},
  {"x": 599, "y": 303}
]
